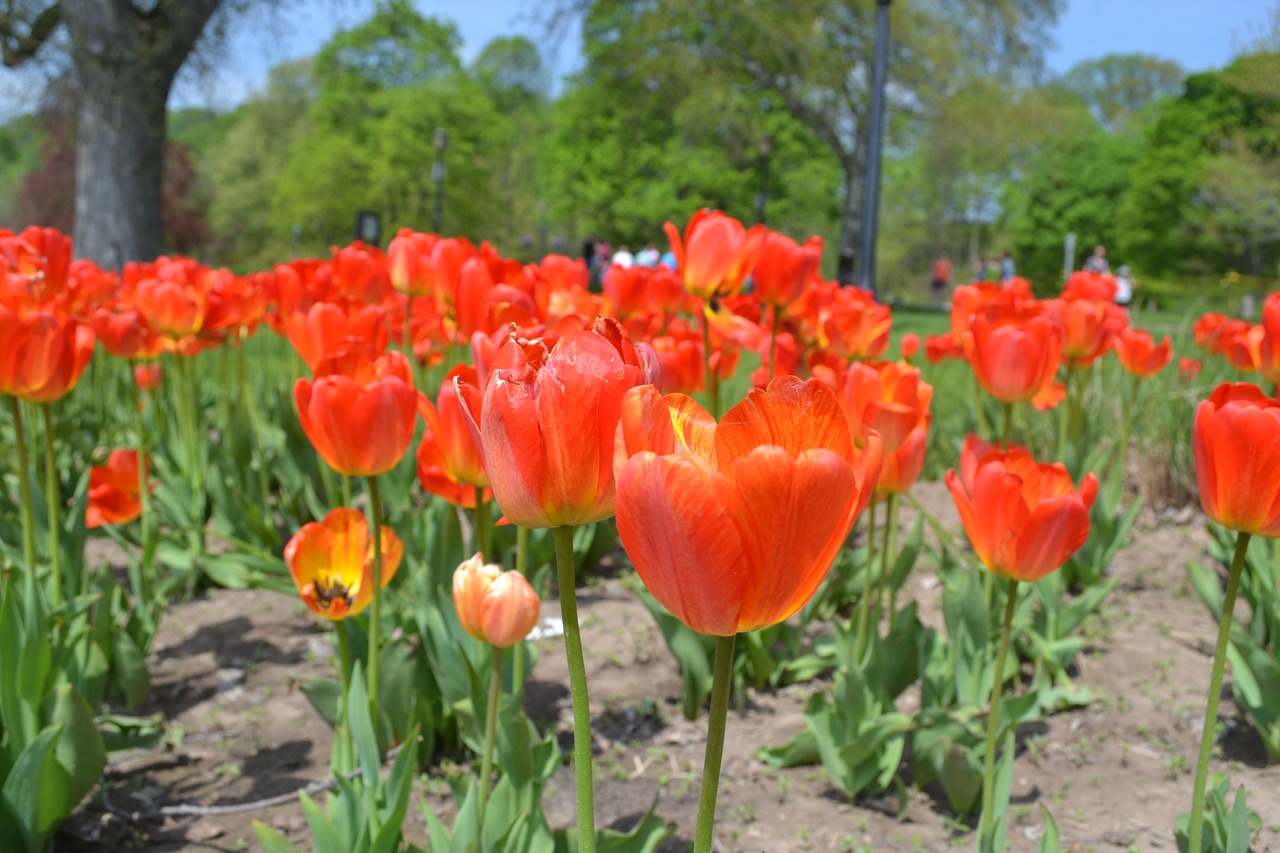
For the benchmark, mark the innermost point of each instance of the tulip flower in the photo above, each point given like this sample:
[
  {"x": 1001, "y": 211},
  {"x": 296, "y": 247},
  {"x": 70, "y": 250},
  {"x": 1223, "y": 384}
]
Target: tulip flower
[
  {"x": 1242, "y": 345},
  {"x": 1024, "y": 518},
  {"x": 1207, "y": 330},
  {"x": 887, "y": 397},
  {"x": 496, "y": 607},
  {"x": 326, "y": 330},
  {"x": 784, "y": 268},
  {"x": 547, "y": 423},
  {"x": 148, "y": 376},
  {"x": 1269, "y": 352},
  {"x": 359, "y": 414},
  {"x": 1089, "y": 328},
  {"x": 449, "y": 463},
  {"x": 1237, "y": 456},
  {"x": 1188, "y": 369},
  {"x": 34, "y": 344},
  {"x": 1014, "y": 353},
  {"x": 733, "y": 526},
  {"x": 114, "y": 491},
  {"x": 1139, "y": 355},
  {"x": 716, "y": 254},
  {"x": 173, "y": 300},
  {"x": 1236, "y": 441},
  {"x": 939, "y": 348},
  {"x": 331, "y": 563},
  {"x": 77, "y": 344},
  {"x": 909, "y": 347}
]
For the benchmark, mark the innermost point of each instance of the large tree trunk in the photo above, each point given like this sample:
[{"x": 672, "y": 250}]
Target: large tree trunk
[{"x": 125, "y": 62}]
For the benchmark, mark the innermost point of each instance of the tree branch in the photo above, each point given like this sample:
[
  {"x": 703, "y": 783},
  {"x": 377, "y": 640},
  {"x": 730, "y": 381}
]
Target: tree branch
[{"x": 15, "y": 47}]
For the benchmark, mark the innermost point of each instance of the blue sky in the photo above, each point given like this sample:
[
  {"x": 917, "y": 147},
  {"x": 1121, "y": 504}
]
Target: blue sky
[{"x": 1198, "y": 34}]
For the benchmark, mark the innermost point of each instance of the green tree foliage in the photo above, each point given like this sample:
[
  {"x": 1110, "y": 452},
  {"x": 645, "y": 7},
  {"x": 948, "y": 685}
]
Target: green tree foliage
[
  {"x": 1203, "y": 191},
  {"x": 1118, "y": 87},
  {"x": 1072, "y": 185}
]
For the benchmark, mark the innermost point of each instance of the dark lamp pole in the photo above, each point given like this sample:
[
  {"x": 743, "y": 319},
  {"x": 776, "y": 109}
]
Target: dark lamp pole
[{"x": 875, "y": 139}]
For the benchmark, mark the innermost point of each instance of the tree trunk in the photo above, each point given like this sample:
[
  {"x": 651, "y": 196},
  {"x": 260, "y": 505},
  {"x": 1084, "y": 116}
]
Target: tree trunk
[
  {"x": 125, "y": 62},
  {"x": 119, "y": 164},
  {"x": 850, "y": 221}
]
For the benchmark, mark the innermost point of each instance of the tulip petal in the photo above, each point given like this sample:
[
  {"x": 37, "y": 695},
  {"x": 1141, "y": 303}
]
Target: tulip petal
[
  {"x": 793, "y": 414},
  {"x": 1056, "y": 528}
]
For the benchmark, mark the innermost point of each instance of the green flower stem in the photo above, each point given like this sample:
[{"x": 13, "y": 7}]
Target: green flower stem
[
  {"x": 712, "y": 380},
  {"x": 147, "y": 519},
  {"x": 882, "y": 582},
  {"x": 255, "y": 424},
  {"x": 490, "y": 734},
  {"x": 892, "y": 549},
  {"x": 578, "y": 689},
  {"x": 24, "y": 487},
  {"x": 51, "y": 501},
  {"x": 482, "y": 524},
  {"x": 868, "y": 583},
  {"x": 1004, "y": 430},
  {"x": 375, "y": 608},
  {"x": 517, "y": 660},
  {"x": 1065, "y": 418},
  {"x": 721, "y": 685},
  {"x": 989, "y": 761},
  {"x": 346, "y": 491},
  {"x": 773, "y": 345},
  {"x": 1116, "y": 484},
  {"x": 979, "y": 406},
  {"x": 1215, "y": 690},
  {"x": 342, "y": 738}
]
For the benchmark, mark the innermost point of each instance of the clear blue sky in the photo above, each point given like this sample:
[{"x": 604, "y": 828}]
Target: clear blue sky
[{"x": 1198, "y": 34}]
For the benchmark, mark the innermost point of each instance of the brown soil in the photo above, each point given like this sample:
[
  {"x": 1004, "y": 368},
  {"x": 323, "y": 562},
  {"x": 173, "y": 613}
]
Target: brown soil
[{"x": 227, "y": 669}]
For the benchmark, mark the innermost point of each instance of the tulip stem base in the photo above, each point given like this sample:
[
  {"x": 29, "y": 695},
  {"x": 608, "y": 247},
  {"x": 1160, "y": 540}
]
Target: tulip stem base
[
  {"x": 482, "y": 525},
  {"x": 1215, "y": 690},
  {"x": 989, "y": 760},
  {"x": 24, "y": 487},
  {"x": 721, "y": 686},
  {"x": 578, "y": 689},
  {"x": 868, "y": 584},
  {"x": 375, "y": 608},
  {"x": 51, "y": 501},
  {"x": 490, "y": 734}
]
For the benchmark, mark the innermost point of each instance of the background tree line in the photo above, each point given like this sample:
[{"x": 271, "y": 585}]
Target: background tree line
[{"x": 757, "y": 109}]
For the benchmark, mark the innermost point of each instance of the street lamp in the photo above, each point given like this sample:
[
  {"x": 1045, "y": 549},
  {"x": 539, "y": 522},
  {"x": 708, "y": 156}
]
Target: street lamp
[
  {"x": 875, "y": 138},
  {"x": 437, "y": 176}
]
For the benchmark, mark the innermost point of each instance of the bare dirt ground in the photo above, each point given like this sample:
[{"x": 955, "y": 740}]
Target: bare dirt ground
[{"x": 1114, "y": 775}]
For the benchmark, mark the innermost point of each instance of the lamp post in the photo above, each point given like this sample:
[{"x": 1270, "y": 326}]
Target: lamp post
[
  {"x": 762, "y": 197},
  {"x": 875, "y": 138},
  {"x": 437, "y": 176}
]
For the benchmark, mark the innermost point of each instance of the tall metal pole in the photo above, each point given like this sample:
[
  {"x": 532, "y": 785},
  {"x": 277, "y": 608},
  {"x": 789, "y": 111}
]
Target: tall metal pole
[
  {"x": 875, "y": 138},
  {"x": 437, "y": 175}
]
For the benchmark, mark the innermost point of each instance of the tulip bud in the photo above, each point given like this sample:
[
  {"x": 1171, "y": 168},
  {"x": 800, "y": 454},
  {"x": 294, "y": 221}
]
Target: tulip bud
[{"x": 496, "y": 607}]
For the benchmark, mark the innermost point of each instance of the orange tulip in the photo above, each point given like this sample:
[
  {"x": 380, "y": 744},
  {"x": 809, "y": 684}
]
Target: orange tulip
[
  {"x": 1014, "y": 353},
  {"x": 1243, "y": 346},
  {"x": 327, "y": 330},
  {"x": 449, "y": 463},
  {"x": 902, "y": 467},
  {"x": 1024, "y": 518},
  {"x": 409, "y": 262},
  {"x": 359, "y": 414},
  {"x": 1089, "y": 328},
  {"x": 1208, "y": 330},
  {"x": 854, "y": 325},
  {"x": 1188, "y": 369},
  {"x": 124, "y": 333},
  {"x": 732, "y": 527},
  {"x": 887, "y": 397},
  {"x": 172, "y": 300},
  {"x": 1270, "y": 350},
  {"x": 548, "y": 420},
  {"x": 496, "y": 607},
  {"x": 147, "y": 376},
  {"x": 939, "y": 348},
  {"x": 1139, "y": 355},
  {"x": 72, "y": 358},
  {"x": 114, "y": 496},
  {"x": 331, "y": 562},
  {"x": 909, "y": 347},
  {"x": 33, "y": 346},
  {"x": 716, "y": 253},
  {"x": 1236, "y": 441},
  {"x": 784, "y": 268}
]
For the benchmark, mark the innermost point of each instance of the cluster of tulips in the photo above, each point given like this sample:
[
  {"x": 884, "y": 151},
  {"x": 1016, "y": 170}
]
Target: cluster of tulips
[
  {"x": 1248, "y": 347},
  {"x": 568, "y": 407}
]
